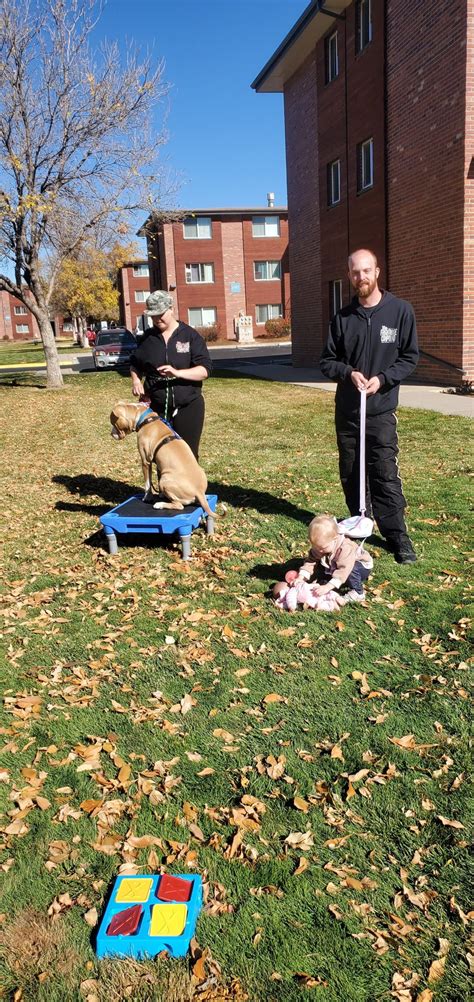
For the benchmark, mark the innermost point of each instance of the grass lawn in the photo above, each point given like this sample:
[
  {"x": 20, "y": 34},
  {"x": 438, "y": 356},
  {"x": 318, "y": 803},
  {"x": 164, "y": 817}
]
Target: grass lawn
[
  {"x": 313, "y": 768},
  {"x": 20, "y": 352}
]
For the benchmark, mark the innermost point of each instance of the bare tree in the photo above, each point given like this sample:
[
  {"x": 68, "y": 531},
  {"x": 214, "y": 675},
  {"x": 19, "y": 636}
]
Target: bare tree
[{"x": 77, "y": 146}]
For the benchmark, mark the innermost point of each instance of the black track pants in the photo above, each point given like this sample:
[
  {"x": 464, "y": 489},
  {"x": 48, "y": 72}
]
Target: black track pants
[
  {"x": 188, "y": 422},
  {"x": 384, "y": 494}
]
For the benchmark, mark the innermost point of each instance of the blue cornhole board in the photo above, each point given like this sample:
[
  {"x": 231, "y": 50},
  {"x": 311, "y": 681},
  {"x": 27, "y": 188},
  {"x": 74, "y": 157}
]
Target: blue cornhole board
[
  {"x": 136, "y": 516},
  {"x": 145, "y": 940}
]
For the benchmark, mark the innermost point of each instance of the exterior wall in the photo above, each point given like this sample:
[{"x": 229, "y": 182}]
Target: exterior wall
[
  {"x": 412, "y": 90},
  {"x": 234, "y": 272},
  {"x": 9, "y": 321},
  {"x": 468, "y": 326},
  {"x": 263, "y": 292},
  {"x": 426, "y": 89},
  {"x": 302, "y": 159},
  {"x": 130, "y": 310},
  {"x": 232, "y": 249}
]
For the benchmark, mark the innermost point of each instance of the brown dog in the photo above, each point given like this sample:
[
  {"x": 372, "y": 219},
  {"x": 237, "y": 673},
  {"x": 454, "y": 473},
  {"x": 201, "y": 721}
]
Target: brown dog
[{"x": 180, "y": 478}]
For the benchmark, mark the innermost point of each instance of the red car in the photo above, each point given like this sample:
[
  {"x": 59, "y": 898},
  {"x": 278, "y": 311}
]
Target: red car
[{"x": 113, "y": 347}]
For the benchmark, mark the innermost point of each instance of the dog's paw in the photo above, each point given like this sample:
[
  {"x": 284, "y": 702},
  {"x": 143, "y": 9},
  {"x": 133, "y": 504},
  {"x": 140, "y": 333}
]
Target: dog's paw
[{"x": 160, "y": 504}]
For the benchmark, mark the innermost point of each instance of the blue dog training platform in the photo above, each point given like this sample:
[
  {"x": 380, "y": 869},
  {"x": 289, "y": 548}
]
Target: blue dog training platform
[
  {"x": 150, "y": 913},
  {"x": 138, "y": 516}
]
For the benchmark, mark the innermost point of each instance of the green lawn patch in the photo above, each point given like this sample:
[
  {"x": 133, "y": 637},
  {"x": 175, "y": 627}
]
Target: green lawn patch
[
  {"x": 313, "y": 768},
  {"x": 22, "y": 352}
]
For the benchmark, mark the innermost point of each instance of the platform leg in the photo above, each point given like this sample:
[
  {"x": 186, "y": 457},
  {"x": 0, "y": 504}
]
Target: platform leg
[
  {"x": 112, "y": 541},
  {"x": 209, "y": 526},
  {"x": 186, "y": 546}
]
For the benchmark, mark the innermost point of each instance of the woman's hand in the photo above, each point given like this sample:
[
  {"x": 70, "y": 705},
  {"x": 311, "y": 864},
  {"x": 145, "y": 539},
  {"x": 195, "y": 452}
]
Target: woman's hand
[
  {"x": 167, "y": 371},
  {"x": 138, "y": 389}
]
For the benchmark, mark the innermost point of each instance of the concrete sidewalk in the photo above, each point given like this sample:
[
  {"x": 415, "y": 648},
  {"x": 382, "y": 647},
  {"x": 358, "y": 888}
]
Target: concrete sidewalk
[{"x": 432, "y": 398}]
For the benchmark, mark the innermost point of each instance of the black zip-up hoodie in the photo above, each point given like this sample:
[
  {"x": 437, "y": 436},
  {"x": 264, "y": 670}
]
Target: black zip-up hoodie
[
  {"x": 184, "y": 349},
  {"x": 382, "y": 344}
]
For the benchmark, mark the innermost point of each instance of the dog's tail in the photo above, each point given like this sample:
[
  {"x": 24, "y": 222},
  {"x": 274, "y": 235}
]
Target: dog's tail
[{"x": 203, "y": 502}]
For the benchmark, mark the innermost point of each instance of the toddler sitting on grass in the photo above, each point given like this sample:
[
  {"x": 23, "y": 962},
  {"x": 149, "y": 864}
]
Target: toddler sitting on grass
[{"x": 334, "y": 560}]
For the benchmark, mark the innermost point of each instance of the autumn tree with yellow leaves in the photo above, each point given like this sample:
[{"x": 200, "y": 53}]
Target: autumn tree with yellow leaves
[{"x": 78, "y": 148}]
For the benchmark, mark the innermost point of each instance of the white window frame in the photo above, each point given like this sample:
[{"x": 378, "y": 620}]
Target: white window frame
[
  {"x": 270, "y": 266},
  {"x": 201, "y": 266},
  {"x": 68, "y": 326},
  {"x": 335, "y": 287},
  {"x": 334, "y": 182},
  {"x": 20, "y": 311},
  {"x": 268, "y": 223},
  {"x": 332, "y": 57},
  {"x": 141, "y": 295},
  {"x": 365, "y": 181},
  {"x": 273, "y": 310},
  {"x": 200, "y": 223},
  {"x": 363, "y": 22},
  {"x": 141, "y": 271},
  {"x": 22, "y": 329},
  {"x": 203, "y": 310}
]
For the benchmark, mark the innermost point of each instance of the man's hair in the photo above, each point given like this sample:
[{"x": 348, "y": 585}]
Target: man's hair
[{"x": 362, "y": 250}]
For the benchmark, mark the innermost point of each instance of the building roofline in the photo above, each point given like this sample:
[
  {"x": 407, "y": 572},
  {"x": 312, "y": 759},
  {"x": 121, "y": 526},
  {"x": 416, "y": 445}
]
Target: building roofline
[
  {"x": 300, "y": 41},
  {"x": 268, "y": 210}
]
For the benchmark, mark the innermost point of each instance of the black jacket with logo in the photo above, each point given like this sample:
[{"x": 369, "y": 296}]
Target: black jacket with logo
[
  {"x": 184, "y": 349},
  {"x": 380, "y": 342}
]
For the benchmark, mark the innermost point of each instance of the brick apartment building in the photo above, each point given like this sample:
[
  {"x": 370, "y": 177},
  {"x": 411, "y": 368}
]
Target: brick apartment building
[
  {"x": 379, "y": 116},
  {"x": 134, "y": 287},
  {"x": 17, "y": 323},
  {"x": 219, "y": 262}
]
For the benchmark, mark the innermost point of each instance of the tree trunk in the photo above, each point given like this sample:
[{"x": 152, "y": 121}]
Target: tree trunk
[{"x": 54, "y": 379}]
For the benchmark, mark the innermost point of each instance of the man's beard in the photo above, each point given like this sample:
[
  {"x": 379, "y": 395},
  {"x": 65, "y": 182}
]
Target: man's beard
[{"x": 365, "y": 288}]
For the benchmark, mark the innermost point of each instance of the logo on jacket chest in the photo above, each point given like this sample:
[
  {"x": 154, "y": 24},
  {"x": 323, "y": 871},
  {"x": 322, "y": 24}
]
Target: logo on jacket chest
[
  {"x": 388, "y": 334},
  {"x": 182, "y": 347}
]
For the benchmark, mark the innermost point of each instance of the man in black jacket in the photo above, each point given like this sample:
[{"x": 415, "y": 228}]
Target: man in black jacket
[{"x": 372, "y": 344}]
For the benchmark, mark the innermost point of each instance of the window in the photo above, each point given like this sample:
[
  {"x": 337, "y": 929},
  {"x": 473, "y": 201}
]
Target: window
[
  {"x": 266, "y": 226},
  {"x": 265, "y": 271},
  {"x": 20, "y": 310},
  {"x": 197, "y": 228},
  {"x": 204, "y": 316},
  {"x": 141, "y": 271},
  {"x": 22, "y": 329},
  {"x": 334, "y": 182},
  {"x": 141, "y": 295},
  {"x": 335, "y": 296},
  {"x": 268, "y": 312},
  {"x": 68, "y": 325},
  {"x": 365, "y": 165},
  {"x": 332, "y": 58},
  {"x": 199, "y": 273},
  {"x": 363, "y": 24}
]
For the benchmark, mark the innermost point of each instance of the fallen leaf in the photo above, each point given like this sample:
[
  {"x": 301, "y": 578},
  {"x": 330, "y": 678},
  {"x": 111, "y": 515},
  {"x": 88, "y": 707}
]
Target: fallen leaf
[
  {"x": 436, "y": 970},
  {"x": 91, "y": 917},
  {"x": 449, "y": 824}
]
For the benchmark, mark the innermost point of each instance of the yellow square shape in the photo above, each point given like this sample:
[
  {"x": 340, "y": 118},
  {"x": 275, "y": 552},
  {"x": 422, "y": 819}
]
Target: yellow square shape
[
  {"x": 168, "y": 920},
  {"x": 134, "y": 890}
]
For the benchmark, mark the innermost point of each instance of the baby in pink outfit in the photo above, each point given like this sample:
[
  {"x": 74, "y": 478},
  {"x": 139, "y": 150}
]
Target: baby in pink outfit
[{"x": 335, "y": 560}]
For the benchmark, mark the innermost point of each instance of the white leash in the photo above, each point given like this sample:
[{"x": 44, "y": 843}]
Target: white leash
[{"x": 362, "y": 484}]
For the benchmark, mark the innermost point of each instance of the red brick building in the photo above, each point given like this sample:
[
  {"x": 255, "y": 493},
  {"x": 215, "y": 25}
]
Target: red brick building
[
  {"x": 219, "y": 262},
  {"x": 134, "y": 287},
  {"x": 379, "y": 116},
  {"x": 16, "y": 321}
]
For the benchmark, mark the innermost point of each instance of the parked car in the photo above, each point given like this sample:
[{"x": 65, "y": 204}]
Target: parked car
[{"x": 113, "y": 347}]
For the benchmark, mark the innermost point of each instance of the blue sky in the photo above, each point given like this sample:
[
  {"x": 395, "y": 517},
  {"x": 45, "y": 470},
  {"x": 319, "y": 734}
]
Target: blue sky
[{"x": 226, "y": 143}]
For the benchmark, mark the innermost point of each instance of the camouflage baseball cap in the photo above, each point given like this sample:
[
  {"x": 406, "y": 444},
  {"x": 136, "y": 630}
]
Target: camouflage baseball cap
[{"x": 159, "y": 302}]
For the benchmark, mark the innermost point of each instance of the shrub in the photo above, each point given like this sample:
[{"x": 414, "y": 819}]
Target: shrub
[
  {"x": 281, "y": 327},
  {"x": 210, "y": 333}
]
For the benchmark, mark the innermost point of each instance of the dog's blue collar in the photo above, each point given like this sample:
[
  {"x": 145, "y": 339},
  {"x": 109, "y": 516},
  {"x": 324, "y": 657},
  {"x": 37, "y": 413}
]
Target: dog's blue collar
[{"x": 143, "y": 417}]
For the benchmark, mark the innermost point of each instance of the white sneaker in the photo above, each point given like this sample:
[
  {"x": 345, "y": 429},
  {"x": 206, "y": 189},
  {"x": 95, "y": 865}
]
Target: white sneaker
[{"x": 354, "y": 596}]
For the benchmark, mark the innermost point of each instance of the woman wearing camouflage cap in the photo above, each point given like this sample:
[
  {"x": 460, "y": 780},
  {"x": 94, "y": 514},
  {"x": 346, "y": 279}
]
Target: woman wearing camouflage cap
[{"x": 169, "y": 366}]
